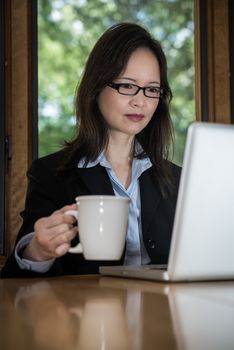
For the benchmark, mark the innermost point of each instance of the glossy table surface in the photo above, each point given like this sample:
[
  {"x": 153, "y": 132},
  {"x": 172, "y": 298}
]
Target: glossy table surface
[{"x": 93, "y": 312}]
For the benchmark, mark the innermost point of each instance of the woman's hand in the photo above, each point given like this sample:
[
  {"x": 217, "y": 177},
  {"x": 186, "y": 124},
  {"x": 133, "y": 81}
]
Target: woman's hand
[{"x": 53, "y": 235}]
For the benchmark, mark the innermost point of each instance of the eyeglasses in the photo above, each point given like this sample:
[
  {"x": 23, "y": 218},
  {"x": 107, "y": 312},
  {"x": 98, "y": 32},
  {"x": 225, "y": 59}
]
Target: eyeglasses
[{"x": 132, "y": 89}]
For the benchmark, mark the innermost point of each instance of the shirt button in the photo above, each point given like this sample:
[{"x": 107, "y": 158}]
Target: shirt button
[{"x": 151, "y": 243}]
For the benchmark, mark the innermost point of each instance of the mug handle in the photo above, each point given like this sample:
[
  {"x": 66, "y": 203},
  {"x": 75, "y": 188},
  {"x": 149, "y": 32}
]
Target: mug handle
[{"x": 78, "y": 247}]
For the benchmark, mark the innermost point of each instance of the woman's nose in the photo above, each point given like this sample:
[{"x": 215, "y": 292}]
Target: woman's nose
[{"x": 138, "y": 99}]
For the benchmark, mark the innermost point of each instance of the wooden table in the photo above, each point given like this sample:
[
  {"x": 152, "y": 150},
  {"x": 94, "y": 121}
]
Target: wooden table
[{"x": 92, "y": 312}]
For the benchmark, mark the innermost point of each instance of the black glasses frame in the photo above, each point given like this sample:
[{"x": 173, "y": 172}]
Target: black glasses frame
[{"x": 117, "y": 86}]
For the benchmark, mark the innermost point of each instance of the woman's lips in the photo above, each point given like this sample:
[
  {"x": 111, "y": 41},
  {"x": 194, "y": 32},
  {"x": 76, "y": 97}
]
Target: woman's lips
[{"x": 135, "y": 117}]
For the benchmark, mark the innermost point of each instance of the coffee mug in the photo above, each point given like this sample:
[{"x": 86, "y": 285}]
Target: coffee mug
[{"x": 102, "y": 224}]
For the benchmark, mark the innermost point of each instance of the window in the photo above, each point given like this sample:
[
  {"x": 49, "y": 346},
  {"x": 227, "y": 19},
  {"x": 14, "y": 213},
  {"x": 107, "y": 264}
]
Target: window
[{"x": 67, "y": 31}]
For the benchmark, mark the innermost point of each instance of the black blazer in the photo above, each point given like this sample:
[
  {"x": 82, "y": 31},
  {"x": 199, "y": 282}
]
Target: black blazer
[{"x": 49, "y": 190}]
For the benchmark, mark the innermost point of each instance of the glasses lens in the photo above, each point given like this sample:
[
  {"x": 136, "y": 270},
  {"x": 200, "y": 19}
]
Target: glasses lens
[
  {"x": 153, "y": 91},
  {"x": 127, "y": 89}
]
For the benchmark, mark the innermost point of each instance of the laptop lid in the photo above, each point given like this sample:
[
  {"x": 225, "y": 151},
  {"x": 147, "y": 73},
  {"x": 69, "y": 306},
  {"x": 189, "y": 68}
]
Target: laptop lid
[{"x": 203, "y": 232}]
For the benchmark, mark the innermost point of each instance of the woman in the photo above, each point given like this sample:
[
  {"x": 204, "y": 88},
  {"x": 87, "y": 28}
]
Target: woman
[{"x": 122, "y": 148}]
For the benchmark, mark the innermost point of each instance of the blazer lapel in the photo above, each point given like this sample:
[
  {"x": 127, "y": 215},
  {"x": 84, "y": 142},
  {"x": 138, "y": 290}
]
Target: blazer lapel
[
  {"x": 150, "y": 198},
  {"x": 96, "y": 180}
]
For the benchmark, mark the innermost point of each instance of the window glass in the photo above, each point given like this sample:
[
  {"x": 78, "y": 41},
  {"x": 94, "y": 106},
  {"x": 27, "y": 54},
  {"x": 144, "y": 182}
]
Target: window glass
[{"x": 68, "y": 30}]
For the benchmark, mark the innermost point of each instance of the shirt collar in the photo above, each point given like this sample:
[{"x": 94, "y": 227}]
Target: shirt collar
[{"x": 101, "y": 159}]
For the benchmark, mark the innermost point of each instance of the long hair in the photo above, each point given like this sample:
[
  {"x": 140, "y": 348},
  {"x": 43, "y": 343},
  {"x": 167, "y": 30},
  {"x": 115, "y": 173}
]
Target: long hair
[{"x": 106, "y": 61}]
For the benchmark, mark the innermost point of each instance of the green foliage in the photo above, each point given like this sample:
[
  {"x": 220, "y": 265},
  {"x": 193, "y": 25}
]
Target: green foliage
[{"x": 68, "y": 30}]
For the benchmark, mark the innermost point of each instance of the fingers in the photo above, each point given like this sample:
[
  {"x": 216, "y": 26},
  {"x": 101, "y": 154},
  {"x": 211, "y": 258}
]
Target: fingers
[
  {"x": 66, "y": 208},
  {"x": 59, "y": 244},
  {"x": 56, "y": 235},
  {"x": 53, "y": 234},
  {"x": 56, "y": 219}
]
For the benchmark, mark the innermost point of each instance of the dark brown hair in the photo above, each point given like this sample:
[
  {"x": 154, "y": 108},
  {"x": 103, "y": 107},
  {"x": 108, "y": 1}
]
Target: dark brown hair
[{"x": 106, "y": 61}]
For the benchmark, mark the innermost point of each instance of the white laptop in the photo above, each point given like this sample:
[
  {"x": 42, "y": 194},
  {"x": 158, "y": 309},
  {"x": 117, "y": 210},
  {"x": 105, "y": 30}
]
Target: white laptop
[{"x": 202, "y": 246}]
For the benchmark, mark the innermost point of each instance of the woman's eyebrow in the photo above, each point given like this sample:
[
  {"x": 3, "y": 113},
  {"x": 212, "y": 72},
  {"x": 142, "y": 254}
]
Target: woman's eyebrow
[{"x": 134, "y": 80}]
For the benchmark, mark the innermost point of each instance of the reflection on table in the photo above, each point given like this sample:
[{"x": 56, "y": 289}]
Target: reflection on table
[{"x": 92, "y": 312}]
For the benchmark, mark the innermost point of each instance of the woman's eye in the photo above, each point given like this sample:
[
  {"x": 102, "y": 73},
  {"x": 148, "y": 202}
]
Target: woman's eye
[
  {"x": 127, "y": 86},
  {"x": 154, "y": 89}
]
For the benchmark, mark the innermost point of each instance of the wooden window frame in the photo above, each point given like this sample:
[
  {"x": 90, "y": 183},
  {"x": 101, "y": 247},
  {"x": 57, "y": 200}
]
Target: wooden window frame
[
  {"x": 212, "y": 61},
  {"x": 2, "y": 126},
  {"x": 20, "y": 108},
  {"x": 231, "y": 51}
]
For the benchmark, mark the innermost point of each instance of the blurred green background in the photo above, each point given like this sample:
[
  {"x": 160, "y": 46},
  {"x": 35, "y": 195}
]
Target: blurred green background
[{"x": 67, "y": 31}]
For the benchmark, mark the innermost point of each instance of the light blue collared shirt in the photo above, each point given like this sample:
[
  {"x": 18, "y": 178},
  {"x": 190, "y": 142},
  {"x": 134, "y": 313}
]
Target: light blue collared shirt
[{"x": 136, "y": 253}]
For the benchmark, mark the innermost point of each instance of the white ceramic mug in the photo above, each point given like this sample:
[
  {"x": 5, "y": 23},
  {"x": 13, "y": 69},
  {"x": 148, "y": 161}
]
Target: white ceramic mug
[{"x": 102, "y": 224}]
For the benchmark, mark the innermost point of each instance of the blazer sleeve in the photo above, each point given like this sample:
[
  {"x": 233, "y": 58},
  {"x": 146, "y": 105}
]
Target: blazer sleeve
[
  {"x": 45, "y": 194},
  {"x": 48, "y": 191}
]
